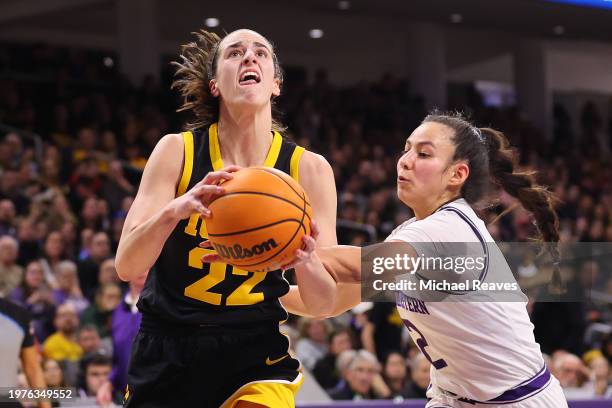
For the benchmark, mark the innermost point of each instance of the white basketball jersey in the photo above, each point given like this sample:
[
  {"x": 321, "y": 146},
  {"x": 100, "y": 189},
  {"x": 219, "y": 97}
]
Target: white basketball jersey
[{"x": 480, "y": 349}]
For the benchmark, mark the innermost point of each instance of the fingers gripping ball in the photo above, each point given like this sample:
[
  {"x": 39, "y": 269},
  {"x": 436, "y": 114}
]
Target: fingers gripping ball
[{"x": 259, "y": 222}]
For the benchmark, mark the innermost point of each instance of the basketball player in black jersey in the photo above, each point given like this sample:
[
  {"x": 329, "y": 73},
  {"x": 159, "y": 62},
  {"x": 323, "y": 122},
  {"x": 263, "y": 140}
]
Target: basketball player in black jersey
[{"x": 210, "y": 332}]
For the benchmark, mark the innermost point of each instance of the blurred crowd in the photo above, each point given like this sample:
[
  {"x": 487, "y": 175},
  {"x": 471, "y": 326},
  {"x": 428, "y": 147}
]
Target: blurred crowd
[{"x": 65, "y": 193}]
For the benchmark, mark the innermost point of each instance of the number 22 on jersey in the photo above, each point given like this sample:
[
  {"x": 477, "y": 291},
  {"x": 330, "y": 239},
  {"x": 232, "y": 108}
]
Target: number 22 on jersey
[{"x": 243, "y": 295}]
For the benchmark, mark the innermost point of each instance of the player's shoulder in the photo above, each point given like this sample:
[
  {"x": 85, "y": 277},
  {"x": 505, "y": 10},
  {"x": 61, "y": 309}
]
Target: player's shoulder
[
  {"x": 313, "y": 164},
  {"x": 171, "y": 140},
  {"x": 446, "y": 224},
  {"x": 170, "y": 145}
]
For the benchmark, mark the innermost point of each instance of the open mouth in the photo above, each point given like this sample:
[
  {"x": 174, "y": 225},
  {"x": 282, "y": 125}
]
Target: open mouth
[{"x": 249, "y": 78}]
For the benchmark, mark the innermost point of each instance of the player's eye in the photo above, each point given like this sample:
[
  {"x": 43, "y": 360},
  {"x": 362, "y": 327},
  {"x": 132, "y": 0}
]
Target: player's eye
[
  {"x": 424, "y": 155},
  {"x": 235, "y": 53},
  {"x": 261, "y": 53}
]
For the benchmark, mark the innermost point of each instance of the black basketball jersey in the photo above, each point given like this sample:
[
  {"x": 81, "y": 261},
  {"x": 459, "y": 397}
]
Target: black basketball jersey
[{"x": 179, "y": 287}]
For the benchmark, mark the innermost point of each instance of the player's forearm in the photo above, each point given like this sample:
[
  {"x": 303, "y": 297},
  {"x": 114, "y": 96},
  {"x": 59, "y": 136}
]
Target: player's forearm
[
  {"x": 139, "y": 248},
  {"x": 36, "y": 379},
  {"x": 317, "y": 287},
  {"x": 343, "y": 262}
]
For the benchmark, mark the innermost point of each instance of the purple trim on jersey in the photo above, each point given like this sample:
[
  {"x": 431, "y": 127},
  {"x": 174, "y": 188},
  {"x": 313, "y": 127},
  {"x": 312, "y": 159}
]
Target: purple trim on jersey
[
  {"x": 467, "y": 219},
  {"x": 485, "y": 248},
  {"x": 524, "y": 390}
]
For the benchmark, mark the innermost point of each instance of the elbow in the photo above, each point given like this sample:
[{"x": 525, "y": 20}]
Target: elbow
[
  {"x": 323, "y": 308},
  {"x": 122, "y": 268}
]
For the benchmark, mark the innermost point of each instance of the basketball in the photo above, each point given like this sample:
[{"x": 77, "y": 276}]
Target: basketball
[{"x": 258, "y": 224}]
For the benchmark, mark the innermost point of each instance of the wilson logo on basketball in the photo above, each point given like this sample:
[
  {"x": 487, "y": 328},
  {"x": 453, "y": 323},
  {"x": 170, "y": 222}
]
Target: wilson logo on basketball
[{"x": 237, "y": 251}]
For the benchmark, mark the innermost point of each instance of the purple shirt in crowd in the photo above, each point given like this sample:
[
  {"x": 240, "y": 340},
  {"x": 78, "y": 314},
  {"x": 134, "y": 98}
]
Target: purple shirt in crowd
[{"x": 125, "y": 325}]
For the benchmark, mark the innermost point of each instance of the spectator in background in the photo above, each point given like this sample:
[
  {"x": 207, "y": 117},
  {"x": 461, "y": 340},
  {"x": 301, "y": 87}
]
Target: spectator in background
[
  {"x": 116, "y": 187},
  {"x": 599, "y": 367},
  {"x": 99, "y": 250},
  {"x": 419, "y": 377},
  {"x": 394, "y": 373},
  {"x": 69, "y": 235},
  {"x": 107, "y": 273},
  {"x": 7, "y": 218},
  {"x": 53, "y": 254},
  {"x": 11, "y": 274},
  {"x": 29, "y": 247},
  {"x": 383, "y": 331},
  {"x": 11, "y": 190},
  {"x": 62, "y": 345},
  {"x": 358, "y": 376},
  {"x": 100, "y": 313},
  {"x": 325, "y": 370},
  {"x": 95, "y": 373},
  {"x": 54, "y": 376},
  {"x": 86, "y": 235},
  {"x": 68, "y": 289},
  {"x": 37, "y": 298},
  {"x": 89, "y": 340},
  {"x": 313, "y": 344},
  {"x": 572, "y": 375},
  {"x": 125, "y": 323}
]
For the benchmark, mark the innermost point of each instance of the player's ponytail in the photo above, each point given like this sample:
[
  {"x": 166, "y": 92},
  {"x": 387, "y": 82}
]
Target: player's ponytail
[
  {"x": 521, "y": 185},
  {"x": 491, "y": 158}
]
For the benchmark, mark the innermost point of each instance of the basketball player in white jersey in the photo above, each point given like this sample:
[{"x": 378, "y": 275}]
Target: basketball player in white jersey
[{"x": 482, "y": 353}]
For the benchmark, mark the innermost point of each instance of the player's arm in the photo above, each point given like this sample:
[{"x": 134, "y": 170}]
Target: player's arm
[
  {"x": 316, "y": 286},
  {"x": 30, "y": 361},
  {"x": 347, "y": 297},
  {"x": 155, "y": 211}
]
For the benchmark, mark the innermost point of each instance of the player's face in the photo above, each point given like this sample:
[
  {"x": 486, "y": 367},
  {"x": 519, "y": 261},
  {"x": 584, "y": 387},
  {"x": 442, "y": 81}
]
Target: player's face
[
  {"x": 423, "y": 169},
  {"x": 245, "y": 71}
]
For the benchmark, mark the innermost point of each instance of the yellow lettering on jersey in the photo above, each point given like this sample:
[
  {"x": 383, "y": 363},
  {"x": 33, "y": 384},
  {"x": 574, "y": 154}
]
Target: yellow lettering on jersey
[
  {"x": 242, "y": 296},
  {"x": 200, "y": 289},
  {"x": 192, "y": 226}
]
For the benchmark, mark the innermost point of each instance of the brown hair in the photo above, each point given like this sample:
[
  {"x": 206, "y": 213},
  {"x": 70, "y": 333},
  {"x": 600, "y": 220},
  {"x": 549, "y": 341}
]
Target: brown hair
[
  {"x": 491, "y": 159},
  {"x": 198, "y": 66}
]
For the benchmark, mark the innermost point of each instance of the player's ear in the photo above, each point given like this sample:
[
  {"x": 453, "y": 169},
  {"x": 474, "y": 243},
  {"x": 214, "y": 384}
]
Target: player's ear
[
  {"x": 276, "y": 85},
  {"x": 212, "y": 85},
  {"x": 460, "y": 173}
]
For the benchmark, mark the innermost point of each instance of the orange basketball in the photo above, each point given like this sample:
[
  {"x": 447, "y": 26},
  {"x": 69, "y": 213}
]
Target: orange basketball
[{"x": 258, "y": 224}]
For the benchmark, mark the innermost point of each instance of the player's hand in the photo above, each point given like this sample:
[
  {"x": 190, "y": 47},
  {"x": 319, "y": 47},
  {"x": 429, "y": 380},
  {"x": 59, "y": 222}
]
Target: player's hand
[
  {"x": 209, "y": 258},
  {"x": 309, "y": 244},
  {"x": 197, "y": 199},
  {"x": 301, "y": 255}
]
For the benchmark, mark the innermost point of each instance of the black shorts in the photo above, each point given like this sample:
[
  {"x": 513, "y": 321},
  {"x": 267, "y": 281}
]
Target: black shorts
[{"x": 186, "y": 366}]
